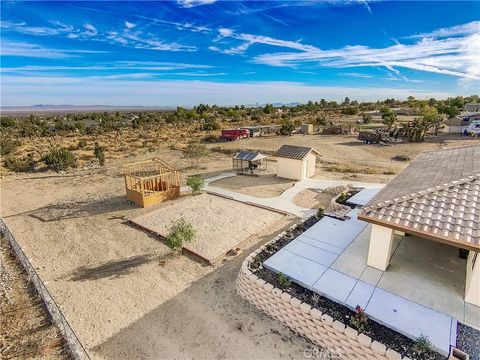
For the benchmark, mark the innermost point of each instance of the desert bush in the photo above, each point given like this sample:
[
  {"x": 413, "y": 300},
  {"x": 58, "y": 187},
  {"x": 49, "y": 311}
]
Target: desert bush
[
  {"x": 320, "y": 212},
  {"x": 283, "y": 280},
  {"x": 25, "y": 164},
  {"x": 401, "y": 158},
  {"x": 82, "y": 143},
  {"x": 210, "y": 124},
  {"x": 59, "y": 159},
  {"x": 194, "y": 152},
  {"x": 7, "y": 122},
  {"x": 196, "y": 183},
  {"x": 359, "y": 320},
  {"x": 181, "y": 233},
  {"x": 342, "y": 198},
  {"x": 210, "y": 138},
  {"x": 287, "y": 128},
  {"x": 422, "y": 345},
  {"x": 99, "y": 154},
  {"x": 7, "y": 145}
]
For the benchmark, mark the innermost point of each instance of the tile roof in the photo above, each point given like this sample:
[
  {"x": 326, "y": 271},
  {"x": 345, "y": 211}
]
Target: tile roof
[
  {"x": 294, "y": 152},
  {"x": 437, "y": 195}
]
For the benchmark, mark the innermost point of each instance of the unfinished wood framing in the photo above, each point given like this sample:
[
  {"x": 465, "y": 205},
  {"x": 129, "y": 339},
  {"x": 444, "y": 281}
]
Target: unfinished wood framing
[{"x": 150, "y": 182}]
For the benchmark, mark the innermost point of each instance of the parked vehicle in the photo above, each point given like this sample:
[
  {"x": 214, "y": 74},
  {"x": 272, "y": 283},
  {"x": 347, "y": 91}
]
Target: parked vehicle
[
  {"x": 370, "y": 137},
  {"x": 473, "y": 129},
  {"x": 234, "y": 134}
]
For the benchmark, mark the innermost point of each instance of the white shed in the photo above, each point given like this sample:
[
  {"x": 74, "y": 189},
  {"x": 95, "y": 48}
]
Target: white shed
[{"x": 296, "y": 162}]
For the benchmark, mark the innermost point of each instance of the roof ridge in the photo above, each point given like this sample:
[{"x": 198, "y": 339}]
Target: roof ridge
[{"x": 424, "y": 192}]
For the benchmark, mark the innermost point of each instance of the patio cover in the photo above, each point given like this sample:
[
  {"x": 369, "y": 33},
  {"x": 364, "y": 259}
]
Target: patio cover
[
  {"x": 436, "y": 197},
  {"x": 249, "y": 156}
]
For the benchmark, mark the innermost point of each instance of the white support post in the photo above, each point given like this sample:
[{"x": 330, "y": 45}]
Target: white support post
[
  {"x": 472, "y": 283},
  {"x": 380, "y": 249}
]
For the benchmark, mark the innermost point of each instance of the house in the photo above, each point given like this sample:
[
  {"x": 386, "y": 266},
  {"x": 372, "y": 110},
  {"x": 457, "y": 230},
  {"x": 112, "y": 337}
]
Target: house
[
  {"x": 458, "y": 124},
  {"x": 472, "y": 107},
  {"x": 437, "y": 198},
  {"x": 250, "y": 163},
  {"x": 296, "y": 162}
]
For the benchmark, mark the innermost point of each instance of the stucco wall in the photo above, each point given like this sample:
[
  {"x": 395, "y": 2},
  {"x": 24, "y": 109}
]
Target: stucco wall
[
  {"x": 289, "y": 168},
  {"x": 472, "y": 283},
  {"x": 311, "y": 164}
]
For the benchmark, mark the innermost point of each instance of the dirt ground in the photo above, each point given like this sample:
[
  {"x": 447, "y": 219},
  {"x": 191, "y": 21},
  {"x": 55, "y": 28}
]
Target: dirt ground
[
  {"x": 121, "y": 289},
  {"x": 26, "y": 331},
  {"x": 220, "y": 224},
  {"x": 312, "y": 199},
  {"x": 263, "y": 186}
]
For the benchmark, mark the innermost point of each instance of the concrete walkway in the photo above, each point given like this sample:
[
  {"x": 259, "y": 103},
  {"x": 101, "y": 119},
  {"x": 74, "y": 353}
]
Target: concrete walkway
[
  {"x": 308, "y": 260},
  {"x": 283, "y": 202}
]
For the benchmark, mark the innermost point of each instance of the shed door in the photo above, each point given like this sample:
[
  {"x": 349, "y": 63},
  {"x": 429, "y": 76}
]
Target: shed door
[{"x": 305, "y": 169}]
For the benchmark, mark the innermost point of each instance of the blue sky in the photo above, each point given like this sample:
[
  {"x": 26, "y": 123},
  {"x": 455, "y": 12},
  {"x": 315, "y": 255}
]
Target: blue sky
[{"x": 227, "y": 52}]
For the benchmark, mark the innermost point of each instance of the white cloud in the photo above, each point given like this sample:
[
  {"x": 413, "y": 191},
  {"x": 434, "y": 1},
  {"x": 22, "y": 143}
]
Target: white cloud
[
  {"x": 91, "y": 30},
  {"x": 455, "y": 56},
  {"x": 464, "y": 29},
  {"x": 194, "y": 3},
  {"x": 129, "y": 25},
  {"x": 356, "y": 75},
  {"x": 24, "y": 49}
]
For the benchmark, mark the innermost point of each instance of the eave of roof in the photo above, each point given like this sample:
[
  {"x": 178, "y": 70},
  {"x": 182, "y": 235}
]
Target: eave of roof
[{"x": 420, "y": 233}]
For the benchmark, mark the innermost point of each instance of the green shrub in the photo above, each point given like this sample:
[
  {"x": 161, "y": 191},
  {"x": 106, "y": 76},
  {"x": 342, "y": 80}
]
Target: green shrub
[
  {"x": 7, "y": 122},
  {"x": 283, "y": 280},
  {"x": 320, "y": 212},
  {"x": 423, "y": 345},
  {"x": 359, "y": 320},
  {"x": 59, "y": 159},
  {"x": 342, "y": 198},
  {"x": 25, "y": 164},
  {"x": 287, "y": 128},
  {"x": 99, "y": 154},
  {"x": 196, "y": 183},
  {"x": 7, "y": 145},
  {"x": 181, "y": 233},
  {"x": 210, "y": 124}
]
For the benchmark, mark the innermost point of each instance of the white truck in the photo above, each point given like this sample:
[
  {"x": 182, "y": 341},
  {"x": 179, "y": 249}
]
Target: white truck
[{"x": 474, "y": 128}]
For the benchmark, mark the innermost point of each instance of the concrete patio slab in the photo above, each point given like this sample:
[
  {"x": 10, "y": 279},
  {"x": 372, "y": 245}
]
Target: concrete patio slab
[
  {"x": 334, "y": 285},
  {"x": 310, "y": 252},
  {"x": 410, "y": 318},
  {"x": 363, "y": 197},
  {"x": 334, "y": 232},
  {"x": 371, "y": 275},
  {"x": 360, "y": 295},
  {"x": 320, "y": 244},
  {"x": 472, "y": 314},
  {"x": 304, "y": 271}
]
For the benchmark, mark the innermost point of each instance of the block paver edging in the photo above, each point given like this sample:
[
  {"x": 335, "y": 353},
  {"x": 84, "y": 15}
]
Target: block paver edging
[{"x": 307, "y": 321}]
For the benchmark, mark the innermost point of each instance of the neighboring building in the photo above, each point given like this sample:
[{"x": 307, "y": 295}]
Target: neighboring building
[
  {"x": 296, "y": 162},
  {"x": 261, "y": 130},
  {"x": 437, "y": 197},
  {"x": 306, "y": 129},
  {"x": 472, "y": 108},
  {"x": 458, "y": 124},
  {"x": 249, "y": 163}
]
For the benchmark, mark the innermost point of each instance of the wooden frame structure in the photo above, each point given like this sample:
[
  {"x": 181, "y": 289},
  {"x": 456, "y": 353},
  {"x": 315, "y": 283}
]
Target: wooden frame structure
[{"x": 150, "y": 182}]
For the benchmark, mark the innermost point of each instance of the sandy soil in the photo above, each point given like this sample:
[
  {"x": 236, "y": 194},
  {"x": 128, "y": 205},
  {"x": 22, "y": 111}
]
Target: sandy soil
[
  {"x": 26, "y": 331},
  {"x": 263, "y": 186},
  {"x": 221, "y": 224},
  {"x": 310, "y": 199},
  {"x": 111, "y": 280}
]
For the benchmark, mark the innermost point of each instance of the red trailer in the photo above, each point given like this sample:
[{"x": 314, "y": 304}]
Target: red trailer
[{"x": 234, "y": 134}]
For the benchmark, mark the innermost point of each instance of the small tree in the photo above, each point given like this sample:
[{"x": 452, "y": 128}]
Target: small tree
[
  {"x": 367, "y": 118},
  {"x": 99, "y": 154},
  {"x": 181, "y": 233},
  {"x": 194, "y": 152},
  {"x": 389, "y": 118},
  {"x": 59, "y": 159},
  {"x": 287, "y": 128},
  {"x": 196, "y": 183}
]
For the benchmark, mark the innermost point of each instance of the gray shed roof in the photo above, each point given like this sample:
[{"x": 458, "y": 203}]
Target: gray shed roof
[
  {"x": 249, "y": 156},
  {"x": 294, "y": 152}
]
